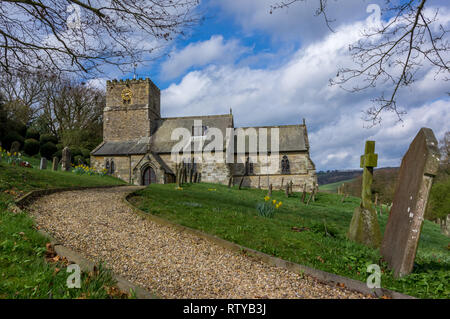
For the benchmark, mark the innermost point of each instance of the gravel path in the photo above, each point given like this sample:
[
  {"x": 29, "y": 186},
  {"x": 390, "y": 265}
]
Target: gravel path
[{"x": 172, "y": 264}]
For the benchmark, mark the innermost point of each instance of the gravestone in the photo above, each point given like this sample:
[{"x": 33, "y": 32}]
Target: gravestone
[
  {"x": 43, "y": 164},
  {"x": 55, "y": 164},
  {"x": 401, "y": 237},
  {"x": 15, "y": 147},
  {"x": 364, "y": 227},
  {"x": 66, "y": 160},
  {"x": 304, "y": 193},
  {"x": 269, "y": 193}
]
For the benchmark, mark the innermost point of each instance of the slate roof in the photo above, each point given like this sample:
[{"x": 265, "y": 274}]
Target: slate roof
[
  {"x": 161, "y": 140},
  {"x": 291, "y": 137},
  {"x": 131, "y": 147}
]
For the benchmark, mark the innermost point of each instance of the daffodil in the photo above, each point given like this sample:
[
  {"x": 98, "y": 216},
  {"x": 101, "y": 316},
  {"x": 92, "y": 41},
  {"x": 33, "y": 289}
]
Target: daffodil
[
  {"x": 274, "y": 202},
  {"x": 266, "y": 198}
]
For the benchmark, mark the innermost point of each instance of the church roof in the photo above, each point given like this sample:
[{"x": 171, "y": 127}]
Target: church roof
[
  {"x": 291, "y": 137},
  {"x": 161, "y": 139},
  {"x": 131, "y": 147}
]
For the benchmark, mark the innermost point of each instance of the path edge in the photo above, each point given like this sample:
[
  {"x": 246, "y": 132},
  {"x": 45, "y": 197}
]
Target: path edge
[
  {"x": 86, "y": 265},
  {"x": 320, "y": 275}
]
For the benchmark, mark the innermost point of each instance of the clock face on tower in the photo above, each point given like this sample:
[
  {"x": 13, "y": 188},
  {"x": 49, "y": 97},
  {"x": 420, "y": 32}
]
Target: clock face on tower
[{"x": 126, "y": 95}]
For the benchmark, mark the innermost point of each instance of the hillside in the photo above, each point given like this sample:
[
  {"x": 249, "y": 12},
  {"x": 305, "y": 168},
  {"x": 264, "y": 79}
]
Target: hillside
[{"x": 328, "y": 177}]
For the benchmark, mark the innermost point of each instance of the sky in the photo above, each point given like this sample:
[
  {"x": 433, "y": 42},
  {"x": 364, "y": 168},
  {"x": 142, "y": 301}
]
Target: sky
[{"x": 274, "y": 69}]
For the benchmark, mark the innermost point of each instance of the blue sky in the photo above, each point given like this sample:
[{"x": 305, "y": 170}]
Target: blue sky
[{"x": 274, "y": 69}]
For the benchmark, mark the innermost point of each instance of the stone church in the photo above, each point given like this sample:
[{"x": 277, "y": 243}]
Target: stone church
[{"x": 137, "y": 143}]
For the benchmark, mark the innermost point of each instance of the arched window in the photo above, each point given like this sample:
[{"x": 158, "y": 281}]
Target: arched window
[
  {"x": 285, "y": 167},
  {"x": 113, "y": 167},
  {"x": 248, "y": 167},
  {"x": 107, "y": 166}
]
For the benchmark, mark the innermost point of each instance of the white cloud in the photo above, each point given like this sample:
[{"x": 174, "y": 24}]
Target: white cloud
[
  {"x": 299, "y": 88},
  {"x": 298, "y": 22},
  {"x": 200, "y": 54}
]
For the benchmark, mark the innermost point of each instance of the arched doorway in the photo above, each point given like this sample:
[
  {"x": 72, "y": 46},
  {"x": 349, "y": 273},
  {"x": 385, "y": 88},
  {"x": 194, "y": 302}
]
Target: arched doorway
[{"x": 149, "y": 176}]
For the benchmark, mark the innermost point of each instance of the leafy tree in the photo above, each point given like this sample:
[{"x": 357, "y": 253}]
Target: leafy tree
[{"x": 45, "y": 138}]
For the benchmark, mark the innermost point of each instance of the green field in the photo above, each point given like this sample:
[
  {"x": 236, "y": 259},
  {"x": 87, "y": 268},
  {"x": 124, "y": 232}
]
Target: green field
[
  {"x": 333, "y": 187},
  {"x": 24, "y": 272},
  {"x": 231, "y": 214}
]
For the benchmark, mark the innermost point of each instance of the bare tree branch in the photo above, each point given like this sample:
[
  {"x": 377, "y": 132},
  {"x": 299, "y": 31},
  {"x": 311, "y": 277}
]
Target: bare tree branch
[
  {"x": 394, "y": 53},
  {"x": 83, "y": 36}
]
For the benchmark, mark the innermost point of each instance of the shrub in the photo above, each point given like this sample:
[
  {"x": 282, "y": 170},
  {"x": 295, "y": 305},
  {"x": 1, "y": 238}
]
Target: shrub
[
  {"x": 85, "y": 153},
  {"x": 77, "y": 159},
  {"x": 11, "y": 137},
  {"x": 31, "y": 147},
  {"x": 32, "y": 134},
  {"x": 46, "y": 138},
  {"x": 58, "y": 154},
  {"x": 75, "y": 151},
  {"x": 47, "y": 150}
]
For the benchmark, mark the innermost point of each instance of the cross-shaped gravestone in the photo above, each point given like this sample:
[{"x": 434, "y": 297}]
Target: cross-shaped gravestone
[{"x": 364, "y": 227}]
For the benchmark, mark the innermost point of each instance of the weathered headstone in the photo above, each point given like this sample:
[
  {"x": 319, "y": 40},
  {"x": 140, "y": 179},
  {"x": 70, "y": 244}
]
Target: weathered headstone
[
  {"x": 364, "y": 227},
  {"x": 55, "y": 164},
  {"x": 66, "y": 160},
  {"x": 314, "y": 192},
  {"x": 15, "y": 147},
  {"x": 401, "y": 237},
  {"x": 304, "y": 193},
  {"x": 43, "y": 164}
]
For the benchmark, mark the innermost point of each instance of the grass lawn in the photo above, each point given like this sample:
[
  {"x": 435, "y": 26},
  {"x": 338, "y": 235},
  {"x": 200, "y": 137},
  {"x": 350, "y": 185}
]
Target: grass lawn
[
  {"x": 24, "y": 272},
  {"x": 231, "y": 214},
  {"x": 333, "y": 187}
]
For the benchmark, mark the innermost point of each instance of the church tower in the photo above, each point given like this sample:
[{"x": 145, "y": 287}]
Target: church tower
[{"x": 132, "y": 107}]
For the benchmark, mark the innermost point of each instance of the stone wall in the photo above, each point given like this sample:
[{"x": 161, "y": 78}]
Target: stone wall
[
  {"x": 211, "y": 172},
  {"x": 302, "y": 170}
]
